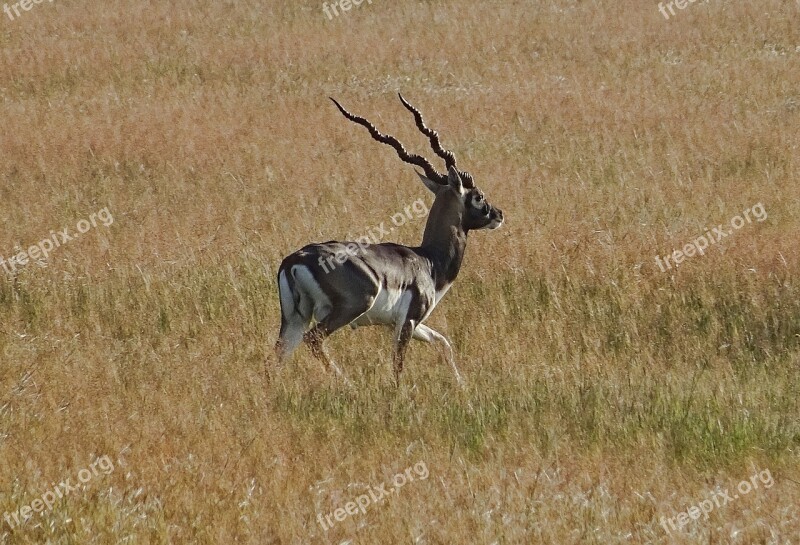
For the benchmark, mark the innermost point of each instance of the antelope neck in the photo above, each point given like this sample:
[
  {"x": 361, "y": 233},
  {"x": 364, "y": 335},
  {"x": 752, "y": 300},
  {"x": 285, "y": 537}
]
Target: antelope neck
[{"x": 444, "y": 245}]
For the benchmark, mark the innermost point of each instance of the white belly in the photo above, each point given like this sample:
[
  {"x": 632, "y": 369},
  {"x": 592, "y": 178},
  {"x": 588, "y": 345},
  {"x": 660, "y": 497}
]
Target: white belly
[{"x": 390, "y": 308}]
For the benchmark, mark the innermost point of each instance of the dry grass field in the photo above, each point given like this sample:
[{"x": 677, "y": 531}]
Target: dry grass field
[{"x": 603, "y": 395}]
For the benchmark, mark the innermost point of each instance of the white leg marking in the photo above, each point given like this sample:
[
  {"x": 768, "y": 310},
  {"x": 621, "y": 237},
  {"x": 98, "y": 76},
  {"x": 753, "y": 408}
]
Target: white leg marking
[
  {"x": 425, "y": 333},
  {"x": 335, "y": 367},
  {"x": 400, "y": 312}
]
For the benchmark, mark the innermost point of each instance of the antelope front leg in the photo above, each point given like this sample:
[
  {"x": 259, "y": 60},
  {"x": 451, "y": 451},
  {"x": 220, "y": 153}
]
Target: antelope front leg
[
  {"x": 425, "y": 333},
  {"x": 401, "y": 344}
]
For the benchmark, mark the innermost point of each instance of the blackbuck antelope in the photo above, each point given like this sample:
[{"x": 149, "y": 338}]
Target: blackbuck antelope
[{"x": 387, "y": 284}]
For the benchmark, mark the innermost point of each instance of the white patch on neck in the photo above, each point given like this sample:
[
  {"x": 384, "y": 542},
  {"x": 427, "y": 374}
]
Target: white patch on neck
[
  {"x": 436, "y": 298},
  {"x": 440, "y": 293}
]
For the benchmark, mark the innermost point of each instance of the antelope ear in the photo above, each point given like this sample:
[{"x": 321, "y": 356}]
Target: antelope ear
[
  {"x": 454, "y": 179},
  {"x": 430, "y": 184}
]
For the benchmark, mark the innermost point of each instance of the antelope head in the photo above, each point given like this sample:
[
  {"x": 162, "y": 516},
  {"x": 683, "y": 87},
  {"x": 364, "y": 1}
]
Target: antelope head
[{"x": 458, "y": 201}]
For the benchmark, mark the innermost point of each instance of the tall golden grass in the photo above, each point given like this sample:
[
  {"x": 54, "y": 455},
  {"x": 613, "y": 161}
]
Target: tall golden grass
[{"x": 602, "y": 395}]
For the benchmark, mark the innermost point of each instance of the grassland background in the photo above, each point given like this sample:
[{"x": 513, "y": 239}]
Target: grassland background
[{"x": 602, "y": 393}]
